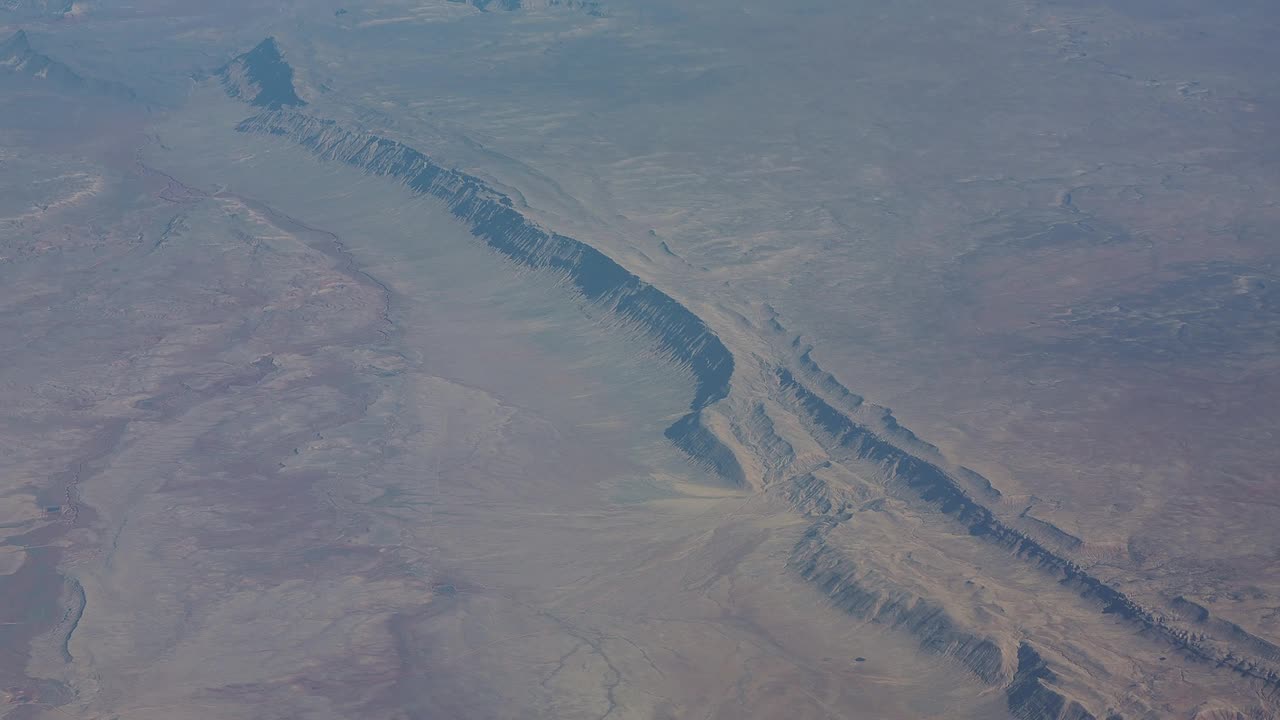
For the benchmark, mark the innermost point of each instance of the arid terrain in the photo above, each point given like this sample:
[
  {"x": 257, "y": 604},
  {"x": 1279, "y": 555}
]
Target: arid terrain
[{"x": 639, "y": 359}]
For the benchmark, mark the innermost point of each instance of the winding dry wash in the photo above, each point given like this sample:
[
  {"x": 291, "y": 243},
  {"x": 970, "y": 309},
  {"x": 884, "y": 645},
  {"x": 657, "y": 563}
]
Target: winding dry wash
[{"x": 719, "y": 359}]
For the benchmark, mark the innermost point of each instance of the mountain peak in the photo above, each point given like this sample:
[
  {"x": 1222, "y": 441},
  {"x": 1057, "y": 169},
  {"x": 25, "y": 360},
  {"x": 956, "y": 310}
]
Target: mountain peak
[
  {"x": 15, "y": 43},
  {"x": 261, "y": 77},
  {"x": 268, "y": 48}
]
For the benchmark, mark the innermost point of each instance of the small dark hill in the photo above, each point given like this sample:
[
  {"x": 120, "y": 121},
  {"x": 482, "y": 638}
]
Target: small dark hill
[
  {"x": 18, "y": 58},
  {"x": 261, "y": 77}
]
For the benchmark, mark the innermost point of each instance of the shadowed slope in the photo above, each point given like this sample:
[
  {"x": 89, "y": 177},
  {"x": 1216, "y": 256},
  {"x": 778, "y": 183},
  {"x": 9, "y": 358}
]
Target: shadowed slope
[
  {"x": 491, "y": 216},
  {"x": 261, "y": 77}
]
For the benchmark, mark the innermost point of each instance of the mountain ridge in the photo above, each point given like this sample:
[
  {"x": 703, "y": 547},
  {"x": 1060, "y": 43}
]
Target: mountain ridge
[
  {"x": 1036, "y": 679},
  {"x": 20, "y": 58}
]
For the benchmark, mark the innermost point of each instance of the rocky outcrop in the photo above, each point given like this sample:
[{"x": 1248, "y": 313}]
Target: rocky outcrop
[
  {"x": 825, "y": 380},
  {"x": 812, "y": 495},
  {"x": 863, "y": 595},
  {"x": 1030, "y": 689},
  {"x": 1049, "y": 532},
  {"x": 1223, "y": 644},
  {"x": 699, "y": 443},
  {"x": 261, "y": 77},
  {"x": 19, "y": 58},
  {"x": 1238, "y": 636},
  {"x": 755, "y": 429},
  {"x": 983, "y": 485},
  {"x": 1032, "y": 696},
  {"x": 681, "y": 336}
]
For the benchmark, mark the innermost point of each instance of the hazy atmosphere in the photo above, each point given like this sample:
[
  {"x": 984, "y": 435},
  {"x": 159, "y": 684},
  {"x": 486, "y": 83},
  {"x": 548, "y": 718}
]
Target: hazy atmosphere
[{"x": 639, "y": 359}]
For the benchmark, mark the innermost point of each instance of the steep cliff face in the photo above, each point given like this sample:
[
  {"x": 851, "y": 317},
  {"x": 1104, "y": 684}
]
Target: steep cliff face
[
  {"x": 1029, "y": 683},
  {"x": 812, "y": 496},
  {"x": 1222, "y": 644},
  {"x": 261, "y": 77},
  {"x": 681, "y": 336},
  {"x": 755, "y": 429},
  {"x": 1239, "y": 637},
  {"x": 19, "y": 58},
  {"x": 863, "y": 596},
  {"x": 1031, "y": 695},
  {"x": 699, "y": 443},
  {"x": 934, "y": 486}
]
